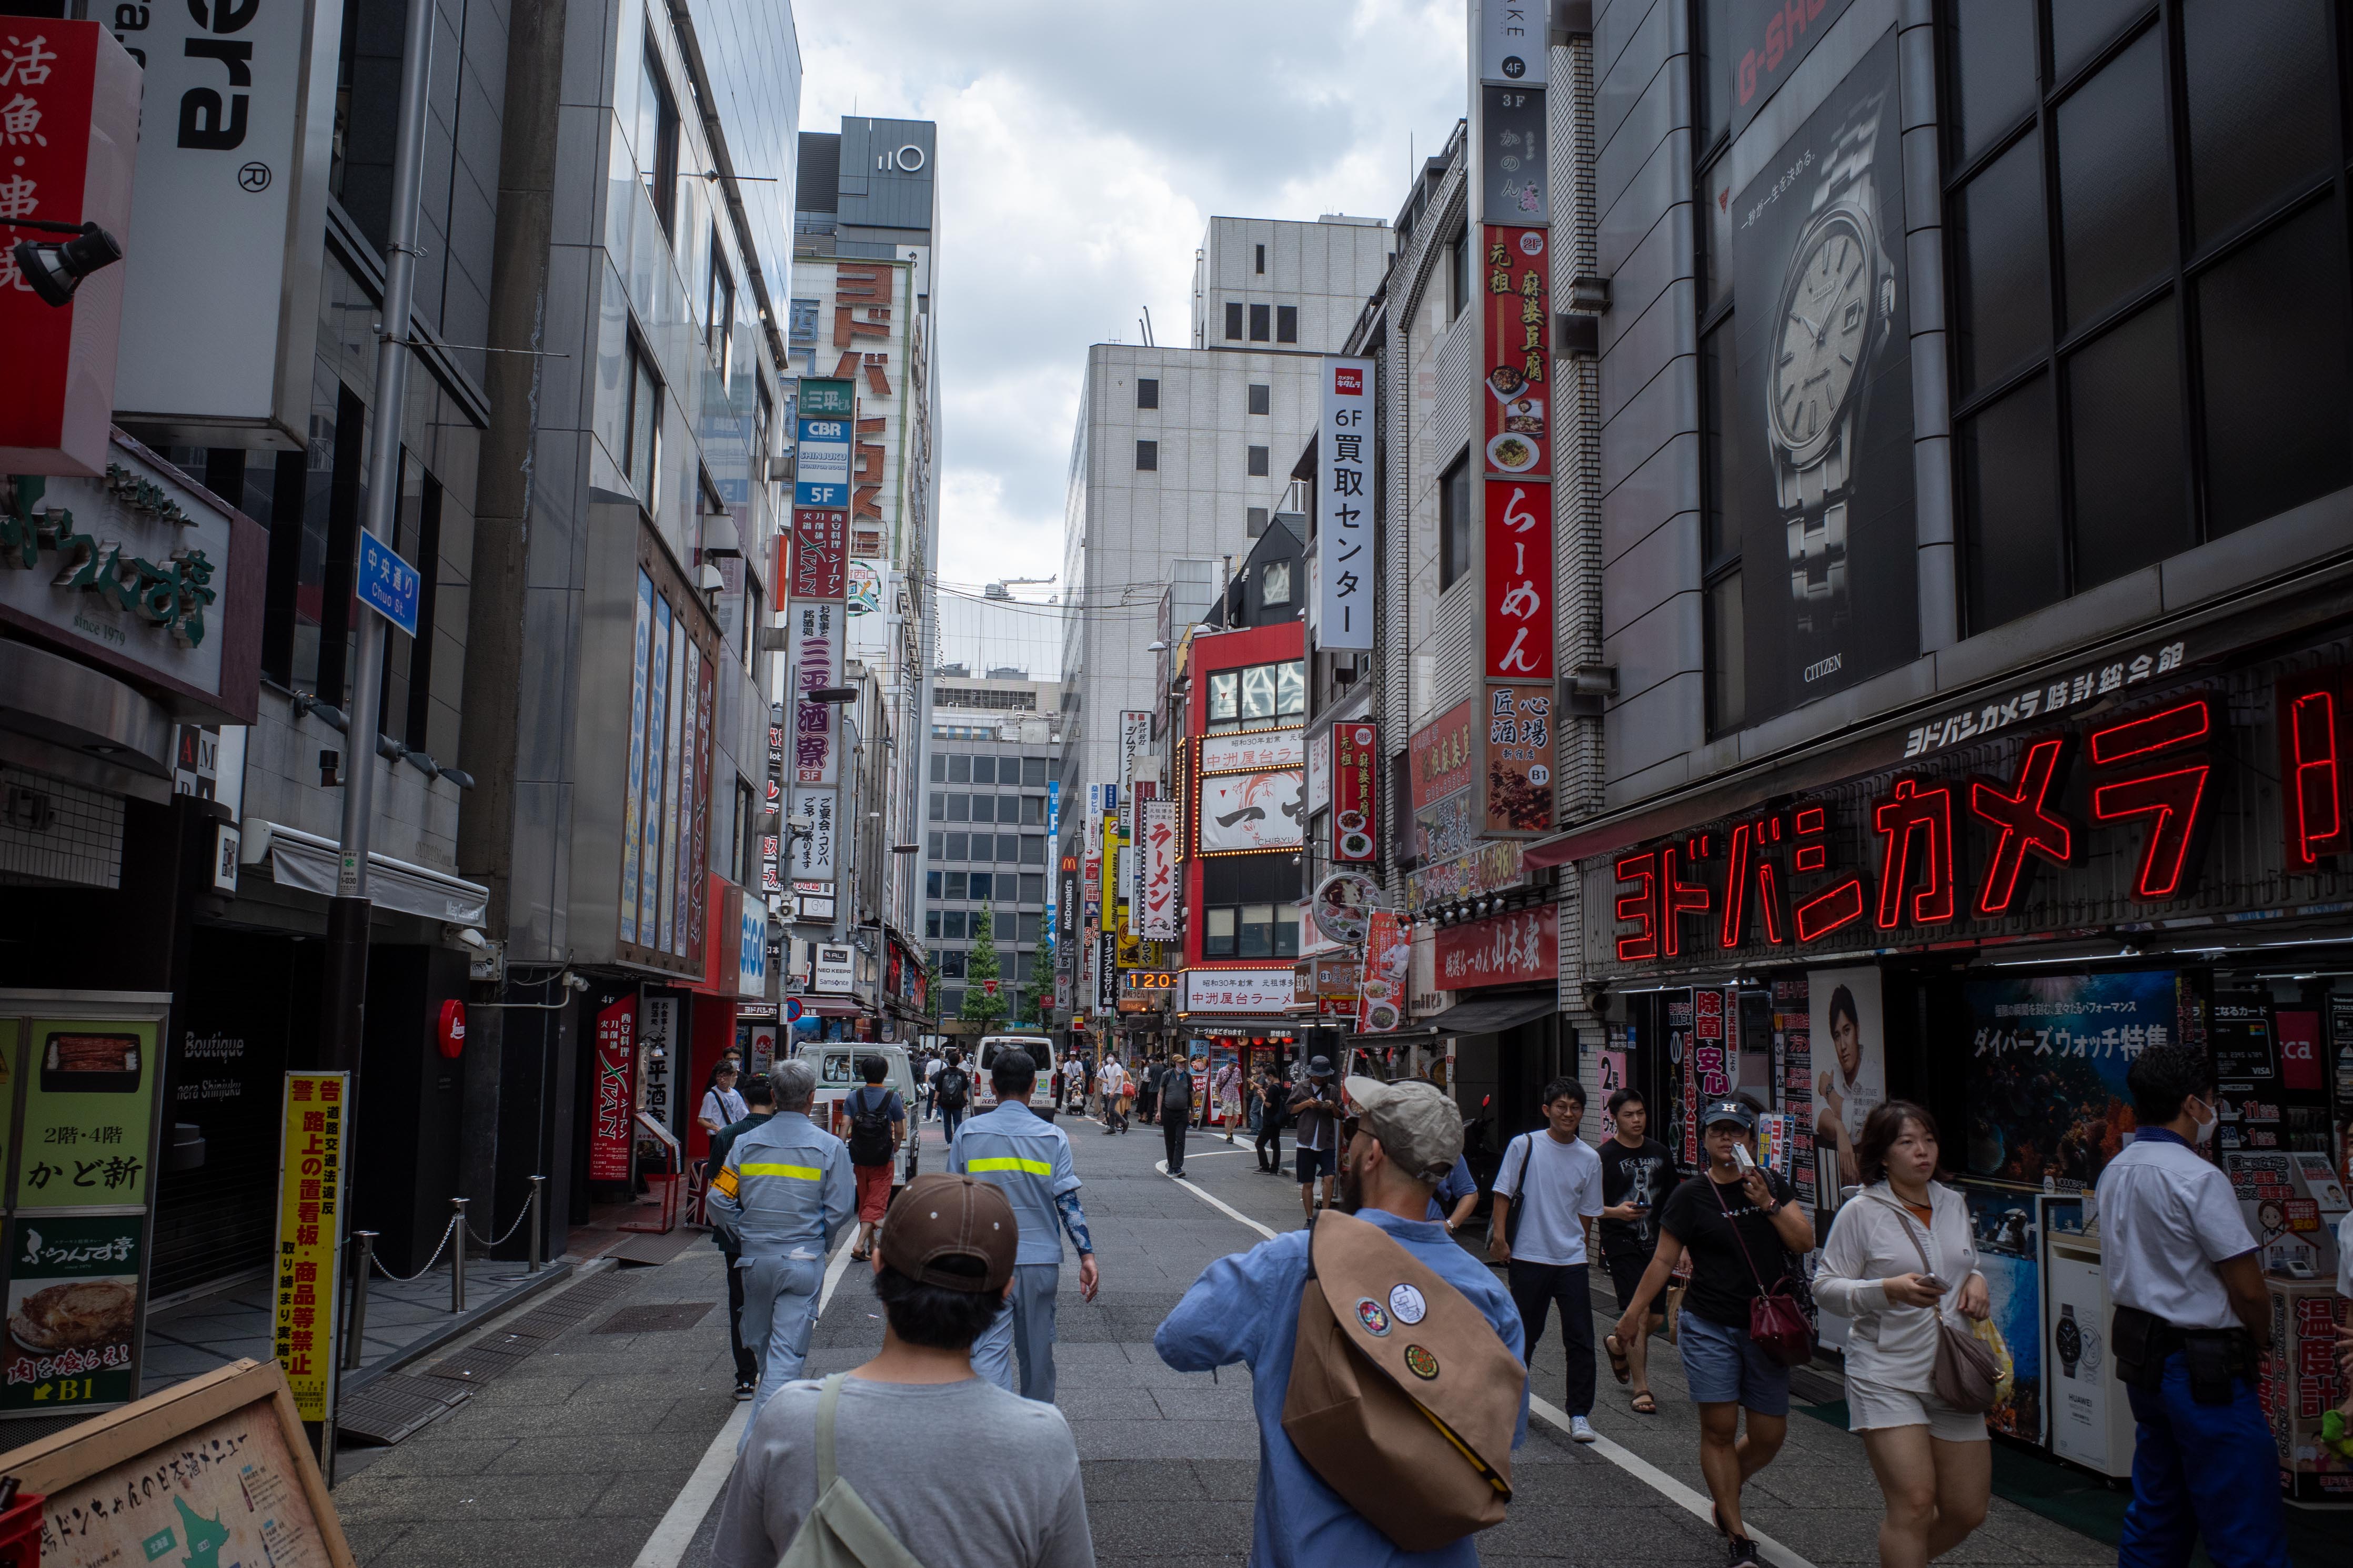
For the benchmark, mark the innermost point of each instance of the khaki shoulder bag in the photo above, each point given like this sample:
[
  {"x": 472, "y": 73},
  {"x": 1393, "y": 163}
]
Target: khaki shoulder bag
[
  {"x": 1965, "y": 1371},
  {"x": 1403, "y": 1397},
  {"x": 840, "y": 1531}
]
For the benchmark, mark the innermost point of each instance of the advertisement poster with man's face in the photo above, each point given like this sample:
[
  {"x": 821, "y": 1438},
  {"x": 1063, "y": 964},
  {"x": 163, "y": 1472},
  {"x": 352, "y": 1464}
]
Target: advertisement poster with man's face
[
  {"x": 1849, "y": 1047},
  {"x": 2048, "y": 1053},
  {"x": 1818, "y": 448}
]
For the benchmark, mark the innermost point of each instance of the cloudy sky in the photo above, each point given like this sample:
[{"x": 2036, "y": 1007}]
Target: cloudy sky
[{"x": 1083, "y": 145}]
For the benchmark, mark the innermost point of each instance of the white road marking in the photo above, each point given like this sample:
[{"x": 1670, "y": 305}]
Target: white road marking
[
  {"x": 1633, "y": 1464},
  {"x": 666, "y": 1547}
]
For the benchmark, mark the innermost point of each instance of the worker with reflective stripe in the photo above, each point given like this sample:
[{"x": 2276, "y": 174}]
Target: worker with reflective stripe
[
  {"x": 786, "y": 1190},
  {"x": 1029, "y": 1157}
]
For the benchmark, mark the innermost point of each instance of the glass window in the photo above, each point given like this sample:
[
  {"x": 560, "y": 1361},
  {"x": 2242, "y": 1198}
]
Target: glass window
[
  {"x": 2079, "y": 29},
  {"x": 1990, "y": 59},
  {"x": 1458, "y": 276},
  {"x": 1233, "y": 321},
  {"x": 955, "y": 889},
  {"x": 2116, "y": 182},
  {"x": 1255, "y": 523},
  {"x": 932, "y": 922},
  {"x": 959, "y": 808},
  {"x": 1225, "y": 695},
  {"x": 1727, "y": 683},
  {"x": 984, "y": 808},
  {"x": 1033, "y": 811},
  {"x": 1147, "y": 456},
  {"x": 2260, "y": 92},
  {"x": 1286, "y": 323},
  {"x": 980, "y": 886},
  {"x": 1033, "y": 772},
  {"x": 2123, "y": 418},
  {"x": 1033, "y": 887},
  {"x": 984, "y": 771},
  {"x": 1217, "y": 932},
  {"x": 1717, "y": 391},
  {"x": 1034, "y": 850},
  {"x": 719, "y": 313},
  {"x": 641, "y": 460},
  {"x": 1258, "y": 693},
  {"x": 958, "y": 846},
  {"x": 2001, "y": 267},
  {"x": 1454, "y": 522},
  {"x": 952, "y": 924},
  {"x": 1033, "y": 928},
  {"x": 1286, "y": 930},
  {"x": 932, "y": 880},
  {"x": 2010, "y": 507},
  {"x": 954, "y": 1002},
  {"x": 1715, "y": 242},
  {"x": 960, "y": 770},
  {"x": 939, "y": 847},
  {"x": 952, "y": 963},
  {"x": 657, "y": 140},
  {"x": 1291, "y": 688},
  {"x": 939, "y": 806},
  {"x": 1257, "y": 925},
  {"x": 1260, "y": 324},
  {"x": 939, "y": 767},
  {"x": 1147, "y": 393},
  {"x": 1713, "y": 53},
  {"x": 1262, "y": 400},
  {"x": 1275, "y": 583},
  {"x": 1258, "y": 463}
]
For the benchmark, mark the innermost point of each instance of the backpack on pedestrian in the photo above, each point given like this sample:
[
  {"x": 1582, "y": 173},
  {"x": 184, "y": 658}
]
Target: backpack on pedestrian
[
  {"x": 951, "y": 1089},
  {"x": 870, "y": 1129},
  {"x": 1403, "y": 1398},
  {"x": 840, "y": 1531}
]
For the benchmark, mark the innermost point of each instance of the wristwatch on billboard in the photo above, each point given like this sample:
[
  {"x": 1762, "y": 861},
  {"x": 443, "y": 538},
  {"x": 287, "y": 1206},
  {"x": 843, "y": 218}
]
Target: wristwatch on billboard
[
  {"x": 1838, "y": 299},
  {"x": 2068, "y": 1338}
]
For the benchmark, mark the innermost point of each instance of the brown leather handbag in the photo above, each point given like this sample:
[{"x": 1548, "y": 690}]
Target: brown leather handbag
[
  {"x": 1776, "y": 1323},
  {"x": 1966, "y": 1372}
]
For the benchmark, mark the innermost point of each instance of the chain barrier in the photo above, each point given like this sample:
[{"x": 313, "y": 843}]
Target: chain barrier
[
  {"x": 446, "y": 1231},
  {"x": 484, "y": 1241}
]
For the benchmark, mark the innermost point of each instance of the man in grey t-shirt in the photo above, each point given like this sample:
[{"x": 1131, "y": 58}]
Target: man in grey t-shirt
[{"x": 956, "y": 1468}]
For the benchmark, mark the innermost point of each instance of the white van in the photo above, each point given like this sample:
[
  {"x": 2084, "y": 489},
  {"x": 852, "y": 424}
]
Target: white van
[
  {"x": 835, "y": 1063},
  {"x": 983, "y": 1059}
]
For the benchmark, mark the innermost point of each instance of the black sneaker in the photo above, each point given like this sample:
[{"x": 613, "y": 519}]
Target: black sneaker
[
  {"x": 1744, "y": 1553},
  {"x": 743, "y": 1388}
]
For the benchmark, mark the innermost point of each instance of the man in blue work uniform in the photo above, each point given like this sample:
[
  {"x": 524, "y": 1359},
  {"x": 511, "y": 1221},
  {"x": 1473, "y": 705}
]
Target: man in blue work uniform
[
  {"x": 760, "y": 1103},
  {"x": 1404, "y": 1140},
  {"x": 787, "y": 1190},
  {"x": 1029, "y": 1157},
  {"x": 2192, "y": 1318}
]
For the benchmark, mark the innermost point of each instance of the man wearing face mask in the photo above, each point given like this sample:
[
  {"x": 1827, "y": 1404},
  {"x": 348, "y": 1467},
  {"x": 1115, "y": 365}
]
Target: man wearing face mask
[{"x": 2192, "y": 1320}]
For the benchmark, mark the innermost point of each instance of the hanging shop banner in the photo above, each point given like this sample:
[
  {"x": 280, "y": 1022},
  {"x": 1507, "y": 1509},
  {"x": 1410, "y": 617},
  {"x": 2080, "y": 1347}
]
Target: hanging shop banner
[
  {"x": 1513, "y": 39},
  {"x": 1053, "y": 843},
  {"x": 615, "y": 1095},
  {"x": 1135, "y": 737},
  {"x": 1517, "y": 184},
  {"x": 311, "y": 1237},
  {"x": 1714, "y": 1056},
  {"x": 74, "y": 1283},
  {"x": 1824, "y": 502},
  {"x": 1253, "y": 754},
  {"x": 821, "y": 461},
  {"x": 1157, "y": 895},
  {"x": 1107, "y": 973},
  {"x": 1262, "y": 991},
  {"x": 814, "y": 632},
  {"x": 1519, "y": 581},
  {"x": 1497, "y": 866},
  {"x": 1345, "y": 542},
  {"x": 1793, "y": 1072},
  {"x": 1443, "y": 757},
  {"x": 88, "y": 1096},
  {"x": 834, "y": 969},
  {"x": 821, "y": 553},
  {"x": 1356, "y": 793},
  {"x": 1250, "y": 811},
  {"x": 1512, "y": 949},
  {"x": 1516, "y": 741},
  {"x": 815, "y": 855},
  {"x": 1319, "y": 771},
  {"x": 1389, "y": 953},
  {"x": 1518, "y": 339}
]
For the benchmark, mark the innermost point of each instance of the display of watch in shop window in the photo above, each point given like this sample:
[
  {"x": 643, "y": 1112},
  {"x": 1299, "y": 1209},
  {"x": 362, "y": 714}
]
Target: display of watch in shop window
[
  {"x": 1838, "y": 302},
  {"x": 2068, "y": 1338}
]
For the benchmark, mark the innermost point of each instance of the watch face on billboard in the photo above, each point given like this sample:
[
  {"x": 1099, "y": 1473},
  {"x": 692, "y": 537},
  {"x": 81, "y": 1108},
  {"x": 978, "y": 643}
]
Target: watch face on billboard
[{"x": 1818, "y": 439}]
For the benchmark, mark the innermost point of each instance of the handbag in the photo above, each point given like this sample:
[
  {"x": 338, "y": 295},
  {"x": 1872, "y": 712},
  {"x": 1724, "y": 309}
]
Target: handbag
[
  {"x": 1967, "y": 1373},
  {"x": 1777, "y": 1324}
]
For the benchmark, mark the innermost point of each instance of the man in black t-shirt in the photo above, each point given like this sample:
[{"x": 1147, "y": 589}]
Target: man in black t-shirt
[{"x": 1637, "y": 1172}]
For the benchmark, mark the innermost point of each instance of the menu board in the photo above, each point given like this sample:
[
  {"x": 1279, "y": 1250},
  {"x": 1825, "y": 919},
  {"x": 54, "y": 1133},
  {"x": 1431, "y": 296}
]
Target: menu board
[
  {"x": 89, "y": 1090},
  {"x": 73, "y": 1312}
]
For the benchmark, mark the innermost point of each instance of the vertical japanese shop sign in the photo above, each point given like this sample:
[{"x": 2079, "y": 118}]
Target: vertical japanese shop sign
[
  {"x": 1344, "y": 512},
  {"x": 1381, "y": 990},
  {"x": 1054, "y": 848},
  {"x": 1519, "y": 581},
  {"x": 90, "y": 1106},
  {"x": 706, "y": 697},
  {"x": 1444, "y": 758},
  {"x": 1517, "y": 735},
  {"x": 820, "y": 558},
  {"x": 823, "y": 435},
  {"x": 86, "y": 1357},
  {"x": 310, "y": 1237},
  {"x": 632, "y": 814},
  {"x": 1711, "y": 1050},
  {"x": 1106, "y": 974},
  {"x": 814, "y": 629},
  {"x": 1156, "y": 906},
  {"x": 1355, "y": 797},
  {"x": 615, "y": 1095}
]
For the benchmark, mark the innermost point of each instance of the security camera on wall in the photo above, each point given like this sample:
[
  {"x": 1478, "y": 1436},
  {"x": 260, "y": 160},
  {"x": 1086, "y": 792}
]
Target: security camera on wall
[{"x": 1597, "y": 998}]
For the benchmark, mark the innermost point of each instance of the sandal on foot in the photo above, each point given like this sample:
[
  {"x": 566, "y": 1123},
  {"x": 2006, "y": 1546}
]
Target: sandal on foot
[
  {"x": 1644, "y": 1404},
  {"x": 1620, "y": 1367}
]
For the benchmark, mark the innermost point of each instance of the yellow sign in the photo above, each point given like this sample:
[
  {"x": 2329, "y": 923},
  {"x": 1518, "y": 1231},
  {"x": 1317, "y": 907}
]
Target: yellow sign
[{"x": 311, "y": 1235}]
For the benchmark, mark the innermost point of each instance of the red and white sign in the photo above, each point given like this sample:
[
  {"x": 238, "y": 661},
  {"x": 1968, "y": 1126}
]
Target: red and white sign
[
  {"x": 1444, "y": 755},
  {"x": 1238, "y": 990},
  {"x": 1156, "y": 892},
  {"x": 1519, "y": 581},
  {"x": 450, "y": 1034},
  {"x": 1504, "y": 949},
  {"x": 1356, "y": 795},
  {"x": 1516, "y": 428},
  {"x": 1250, "y": 811},
  {"x": 614, "y": 1097},
  {"x": 68, "y": 134},
  {"x": 1388, "y": 955},
  {"x": 1251, "y": 753},
  {"x": 821, "y": 553}
]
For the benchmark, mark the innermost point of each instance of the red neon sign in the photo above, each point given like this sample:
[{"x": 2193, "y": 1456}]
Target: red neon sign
[
  {"x": 2172, "y": 799},
  {"x": 1751, "y": 876},
  {"x": 2152, "y": 732},
  {"x": 1634, "y": 908},
  {"x": 1678, "y": 898},
  {"x": 2312, "y": 772},
  {"x": 2023, "y": 824},
  {"x": 1915, "y": 816}
]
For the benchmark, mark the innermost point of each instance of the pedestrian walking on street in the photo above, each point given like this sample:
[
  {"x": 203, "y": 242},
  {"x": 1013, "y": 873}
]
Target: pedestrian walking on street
[
  {"x": 1274, "y": 1110},
  {"x": 948, "y": 1464},
  {"x": 1147, "y": 1100},
  {"x": 952, "y": 1092},
  {"x": 1228, "y": 1086},
  {"x": 1113, "y": 1083},
  {"x": 1316, "y": 1106},
  {"x": 2192, "y": 1318},
  {"x": 1029, "y": 1157},
  {"x": 929, "y": 1083},
  {"x": 1637, "y": 1172},
  {"x": 761, "y": 1101},
  {"x": 721, "y": 1106},
  {"x": 1176, "y": 1116},
  {"x": 1743, "y": 1234},
  {"x": 785, "y": 1189},
  {"x": 1247, "y": 1308},
  {"x": 1452, "y": 1201},
  {"x": 1547, "y": 1195},
  {"x": 1898, "y": 1257},
  {"x": 877, "y": 1125}
]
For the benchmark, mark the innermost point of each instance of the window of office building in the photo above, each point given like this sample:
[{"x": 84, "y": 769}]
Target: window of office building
[
  {"x": 1249, "y": 907},
  {"x": 657, "y": 140},
  {"x": 1261, "y": 696},
  {"x": 719, "y": 312},
  {"x": 1275, "y": 583},
  {"x": 1260, "y": 321},
  {"x": 1258, "y": 463},
  {"x": 642, "y": 454},
  {"x": 1257, "y": 522},
  {"x": 1261, "y": 260},
  {"x": 960, "y": 769},
  {"x": 1147, "y": 393},
  {"x": 1233, "y": 320},
  {"x": 1261, "y": 398},
  {"x": 1033, "y": 772},
  {"x": 1147, "y": 456},
  {"x": 1454, "y": 522},
  {"x": 2150, "y": 316},
  {"x": 1286, "y": 323}
]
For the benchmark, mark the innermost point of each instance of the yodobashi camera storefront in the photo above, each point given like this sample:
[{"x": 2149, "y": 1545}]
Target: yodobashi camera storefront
[{"x": 1993, "y": 909}]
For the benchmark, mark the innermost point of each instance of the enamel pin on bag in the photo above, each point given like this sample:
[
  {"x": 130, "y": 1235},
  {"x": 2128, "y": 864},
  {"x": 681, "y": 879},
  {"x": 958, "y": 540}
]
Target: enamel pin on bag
[{"x": 1403, "y": 1398}]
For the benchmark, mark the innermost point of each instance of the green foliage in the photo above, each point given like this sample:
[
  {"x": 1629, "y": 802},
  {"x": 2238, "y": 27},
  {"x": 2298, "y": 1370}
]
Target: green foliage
[
  {"x": 979, "y": 1007},
  {"x": 1039, "y": 991}
]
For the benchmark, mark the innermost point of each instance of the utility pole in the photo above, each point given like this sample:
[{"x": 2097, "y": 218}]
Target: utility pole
[{"x": 345, "y": 982}]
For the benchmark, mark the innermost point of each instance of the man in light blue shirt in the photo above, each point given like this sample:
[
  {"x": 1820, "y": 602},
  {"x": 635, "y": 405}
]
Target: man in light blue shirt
[
  {"x": 1245, "y": 1308},
  {"x": 1029, "y": 1157}
]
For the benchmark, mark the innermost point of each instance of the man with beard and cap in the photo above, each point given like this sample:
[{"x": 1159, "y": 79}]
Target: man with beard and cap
[
  {"x": 1401, "y": 1141},
  {"x": 1315, "y": 1110}
]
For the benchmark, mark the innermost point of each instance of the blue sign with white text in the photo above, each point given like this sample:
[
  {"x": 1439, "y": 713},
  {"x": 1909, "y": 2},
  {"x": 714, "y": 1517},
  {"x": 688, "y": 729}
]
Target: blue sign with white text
[
  {"x": 821, "y": 463},
  {"x": 387, "y": 585}
]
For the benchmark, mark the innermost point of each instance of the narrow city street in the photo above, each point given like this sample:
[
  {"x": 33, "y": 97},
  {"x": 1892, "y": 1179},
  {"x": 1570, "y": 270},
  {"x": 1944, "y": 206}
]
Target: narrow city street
[{"x": 611, "y": 1447}]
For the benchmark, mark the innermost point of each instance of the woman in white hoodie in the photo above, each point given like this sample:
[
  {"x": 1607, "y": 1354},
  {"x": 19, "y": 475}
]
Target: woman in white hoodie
[{"x": 1934, "y": 1463}]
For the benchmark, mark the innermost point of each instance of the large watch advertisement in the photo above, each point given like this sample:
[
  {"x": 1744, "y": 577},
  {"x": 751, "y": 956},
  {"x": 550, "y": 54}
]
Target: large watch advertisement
[{"x": 1818, "y": 468}]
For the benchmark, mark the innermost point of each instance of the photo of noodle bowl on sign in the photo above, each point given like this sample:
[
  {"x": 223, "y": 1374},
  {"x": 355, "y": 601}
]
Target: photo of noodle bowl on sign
[{"x": 1344, "y": 905}]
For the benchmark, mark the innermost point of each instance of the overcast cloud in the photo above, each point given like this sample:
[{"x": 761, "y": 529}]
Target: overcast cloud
[{"x": 1082, "y": 148}]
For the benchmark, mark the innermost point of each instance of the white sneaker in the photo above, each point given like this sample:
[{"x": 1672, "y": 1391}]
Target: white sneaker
[{"x": 1580, "y": 1430}]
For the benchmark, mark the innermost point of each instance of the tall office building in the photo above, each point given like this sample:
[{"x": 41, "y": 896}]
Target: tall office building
[{"x": 995, "y": 740}]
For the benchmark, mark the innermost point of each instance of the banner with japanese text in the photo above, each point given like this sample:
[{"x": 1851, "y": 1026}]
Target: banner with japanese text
[
  {"x": 1344, "y": 532},
  {"x": 1515, "y": 949},
  {"x": 1158, "y": 895},
  {"x": 613, "y": 1096},
  {"x": 1517, "y": 742},
  {"x": 311, "y": 1237},
  {"x": 1356, "y": 793}
]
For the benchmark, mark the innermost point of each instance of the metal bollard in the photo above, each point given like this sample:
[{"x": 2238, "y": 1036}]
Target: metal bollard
[
  {"x": 537, "y": 1222},
  {"x": 364, "y": 1249},
  {"x": 458, "y": 1258}
]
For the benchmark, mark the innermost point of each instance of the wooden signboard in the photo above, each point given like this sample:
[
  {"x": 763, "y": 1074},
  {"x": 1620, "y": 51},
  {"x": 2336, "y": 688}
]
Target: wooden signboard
[{"x": 216, "y": 1469}]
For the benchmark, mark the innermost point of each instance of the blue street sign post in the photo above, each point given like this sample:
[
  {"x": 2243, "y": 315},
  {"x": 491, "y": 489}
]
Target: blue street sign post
[{"x": 387, "y": 584}]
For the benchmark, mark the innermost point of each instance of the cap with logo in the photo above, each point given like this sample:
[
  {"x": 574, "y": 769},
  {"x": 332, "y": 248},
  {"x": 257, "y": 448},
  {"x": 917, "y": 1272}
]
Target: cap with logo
[
  {"x": 1415, "y": 1121},
  {"x": 1732, "y": 1110},
  {"x": 939, "y": 1217}
]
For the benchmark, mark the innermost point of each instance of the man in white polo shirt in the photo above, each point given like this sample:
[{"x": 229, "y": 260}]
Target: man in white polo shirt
[
  {"x": 2192, "y": 1319},
  {"x": 1551, "y": 1185}
]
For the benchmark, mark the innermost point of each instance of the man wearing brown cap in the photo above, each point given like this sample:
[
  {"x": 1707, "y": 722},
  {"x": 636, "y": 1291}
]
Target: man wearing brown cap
[
  {"x": 955, "y": 1468},
  {"x": 1397, "y": 1141}
]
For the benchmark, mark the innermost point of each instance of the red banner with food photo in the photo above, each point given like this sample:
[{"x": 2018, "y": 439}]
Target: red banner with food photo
[
  {"x": 1389, "y": 953},
  {"x": 1518, "y": 747},
  {"x": 1515, "y": 389},
  {"x": 1356, "y": 798}
]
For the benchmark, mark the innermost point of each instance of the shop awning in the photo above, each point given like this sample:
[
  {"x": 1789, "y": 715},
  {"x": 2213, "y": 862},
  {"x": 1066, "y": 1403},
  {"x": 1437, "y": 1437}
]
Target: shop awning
[
  {"x": 1493, "y": 1014},
  {"x": 833, "y": 1006},
  {"x": 305, "y": 860}
]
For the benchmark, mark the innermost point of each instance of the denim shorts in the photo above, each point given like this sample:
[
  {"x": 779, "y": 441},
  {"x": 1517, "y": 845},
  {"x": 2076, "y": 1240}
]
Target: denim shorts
[
  {"x": 1313, "y": 1162},
  {"x": 1723, "y": 1366}
]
